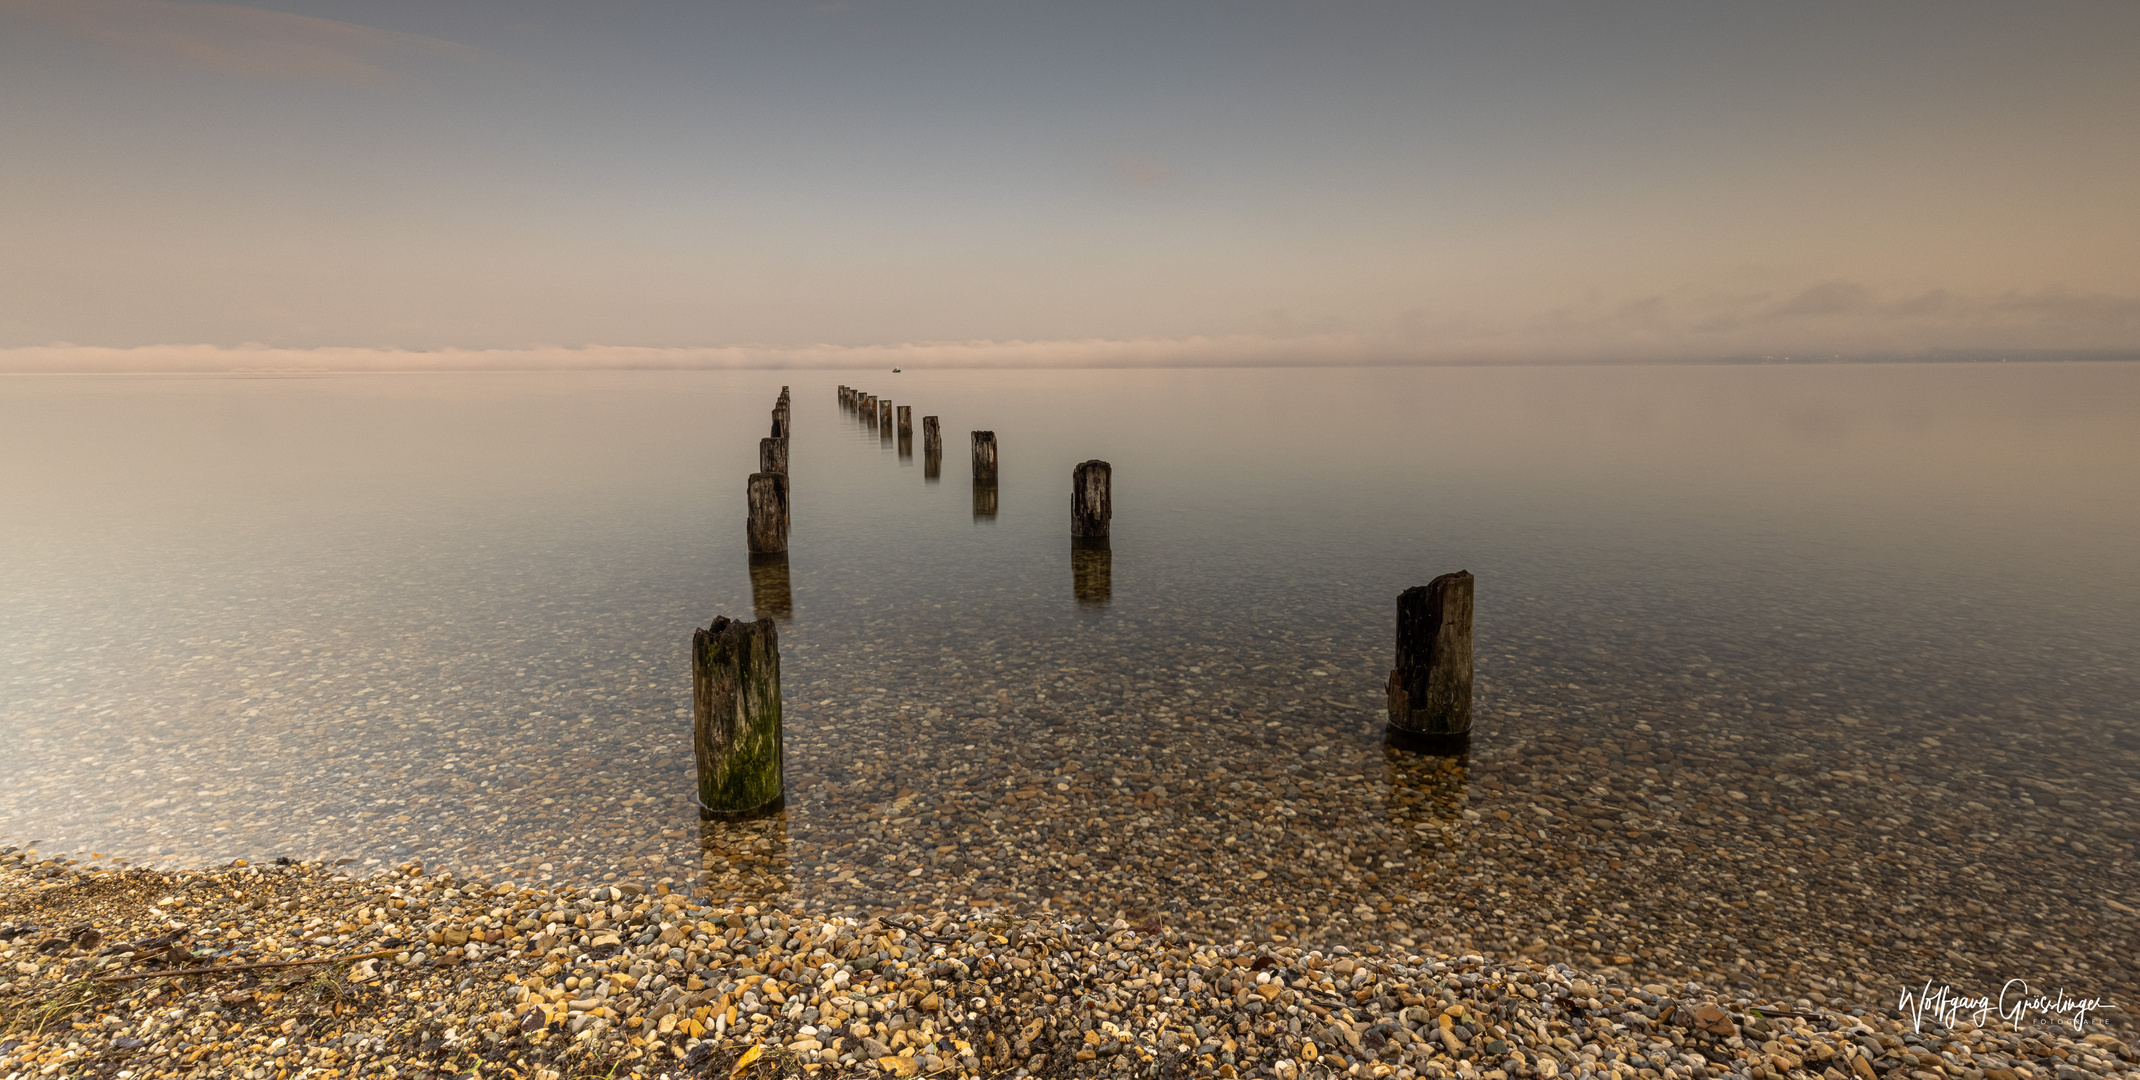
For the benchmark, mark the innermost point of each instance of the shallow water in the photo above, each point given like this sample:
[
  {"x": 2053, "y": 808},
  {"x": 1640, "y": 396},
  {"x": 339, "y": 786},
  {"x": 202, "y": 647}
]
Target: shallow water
[{"x": 1820, "y": 674}]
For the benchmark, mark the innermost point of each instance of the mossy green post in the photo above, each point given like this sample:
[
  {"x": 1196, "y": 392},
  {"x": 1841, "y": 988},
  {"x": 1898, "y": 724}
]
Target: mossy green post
[{"x": 735, "y": 700}]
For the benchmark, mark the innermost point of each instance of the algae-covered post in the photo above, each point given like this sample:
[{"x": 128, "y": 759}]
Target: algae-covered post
[
  {"x": 773, "y": 456},
  {"x": 984, "y": 457},
  {"x": 768, "y": 528},
  {"x": 735, "y": 699},
  {"x": 1091, "y": 500},
  {"x": 1430, "y": 688}
]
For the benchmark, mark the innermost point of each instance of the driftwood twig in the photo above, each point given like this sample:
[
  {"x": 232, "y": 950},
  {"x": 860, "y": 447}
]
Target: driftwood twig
[{"x": 219, "y": 969}]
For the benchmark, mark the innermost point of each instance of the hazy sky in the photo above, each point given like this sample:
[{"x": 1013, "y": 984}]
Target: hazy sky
[{"x": 1069, "y": 180}]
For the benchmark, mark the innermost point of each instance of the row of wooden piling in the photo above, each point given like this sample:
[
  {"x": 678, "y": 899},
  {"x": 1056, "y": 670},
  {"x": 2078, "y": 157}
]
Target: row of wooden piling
[
  {"x": 1429, "y": 686},
  {"x": 736, "y": 729},
  {"x": 767, "y": 531},
  {"x": 737, "y": 737}
]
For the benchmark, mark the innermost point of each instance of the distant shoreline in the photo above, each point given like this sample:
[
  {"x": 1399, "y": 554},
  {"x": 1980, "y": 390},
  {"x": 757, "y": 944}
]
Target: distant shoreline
[{"x": 213, "y": 369}]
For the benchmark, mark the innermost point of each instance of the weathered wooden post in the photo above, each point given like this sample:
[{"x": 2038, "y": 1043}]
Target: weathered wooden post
[
  {"x": 768, "y": 528},
  {"x": 1430, "y": 687},
  {"x": 984, "y": 475},
  {"x": 771, "y": 592},
  {"x": 773, "y": 456},
  {"x": 735, "y": 699},
  {"x": 884, "y": 417},
  {"x": 906, "y": 421},
  {"x": 869, "y": 409},
  {"x": 1091, "y": 500},
  {"x": 932, "y": 437}
]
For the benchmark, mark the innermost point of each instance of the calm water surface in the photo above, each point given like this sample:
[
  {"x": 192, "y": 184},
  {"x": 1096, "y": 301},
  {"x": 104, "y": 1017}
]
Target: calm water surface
[{"x": 1820, "y": 675}]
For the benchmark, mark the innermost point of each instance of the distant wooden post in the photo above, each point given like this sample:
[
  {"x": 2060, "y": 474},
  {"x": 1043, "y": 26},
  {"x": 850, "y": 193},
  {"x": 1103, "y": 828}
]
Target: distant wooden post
[
  {"x": 984, "y": 456},
  {"x": 773, "y": 456},
  {"x": 1430, "y": 687},
  {"x": 780, "y": 424},
  {"x": 906, "y": 421},
  {"x": 735, "y": 699},
  {"x": 768, "y": 529},
  {"x": 1091, "y": 500}
]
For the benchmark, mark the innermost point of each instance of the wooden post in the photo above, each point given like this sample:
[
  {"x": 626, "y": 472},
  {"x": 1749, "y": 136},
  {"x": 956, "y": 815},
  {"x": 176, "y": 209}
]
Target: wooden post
[
  {"x": 773, "y": 456},
  {"x": 771, "y": 593},
  {"x": 869, "y": 409},
  {"x": 906, "y": 421},
  {"x": 932, "y": 449},
  {"x": 780, "y": 424},
  {"x": 1430, "y": 688},
  {"x": 884, "y": 416},
  {"x": 984, "y": 457},
  {"x": 735, "y": 699},
  {"x": 1091, "y": 500},
  {"x": 768, "y": 529}
]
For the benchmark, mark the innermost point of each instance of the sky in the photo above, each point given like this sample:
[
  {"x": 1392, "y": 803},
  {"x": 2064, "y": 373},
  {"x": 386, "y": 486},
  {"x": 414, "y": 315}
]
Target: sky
[{"x": 379, "y": 183}]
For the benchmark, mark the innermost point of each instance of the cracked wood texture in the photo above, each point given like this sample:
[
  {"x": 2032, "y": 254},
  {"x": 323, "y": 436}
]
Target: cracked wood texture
[
  {"x": 735, "y": 699},
  {"x": 1091, "y": 500},
  {"x": 767, "y": 530},
  {"x": 1430, "y": 687}
]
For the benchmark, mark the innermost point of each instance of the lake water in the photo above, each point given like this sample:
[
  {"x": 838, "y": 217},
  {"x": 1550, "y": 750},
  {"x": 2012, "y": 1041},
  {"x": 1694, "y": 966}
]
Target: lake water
[{"x": 1818, "y": 675}]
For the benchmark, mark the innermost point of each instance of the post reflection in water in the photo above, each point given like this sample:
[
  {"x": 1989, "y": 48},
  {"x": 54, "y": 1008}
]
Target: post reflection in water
[
  {"x": 1092, "y": 564},
  {"x": 984, "y": 500},
  {"x": 906, "y": 446},
  {"x": 1426, "y": 799},
  {"x": 932, "y": 466},
  {"x": 745, "y": 861},
  {"x": 771, "y": 592}
]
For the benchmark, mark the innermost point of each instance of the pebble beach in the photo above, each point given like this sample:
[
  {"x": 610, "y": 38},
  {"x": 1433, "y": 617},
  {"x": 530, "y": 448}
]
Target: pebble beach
[{"x": 296, "y": 971}]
